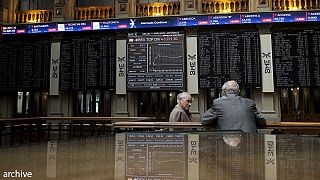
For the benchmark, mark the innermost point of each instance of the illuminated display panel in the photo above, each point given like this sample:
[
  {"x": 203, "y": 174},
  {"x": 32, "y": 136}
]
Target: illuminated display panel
[
  {"x": 175, "y": 21},
  {"x": 87, "y": 62},
  {"x": 229, "y": 55},
  {"x": 296, "y": 55},
  {"x": 155, "y": 61},
  {"x": 24, "y": 64}
]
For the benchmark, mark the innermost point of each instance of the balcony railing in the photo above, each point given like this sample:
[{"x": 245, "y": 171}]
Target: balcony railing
[
  {"x": 295, "y": 4},
  {"x": 18, "y": 131},
  {"x": 34, "y": 16},
  {"x": 225, "y": 6},
  {"x": 158, "y": 9},
  {"x": 95, "y": 12}
]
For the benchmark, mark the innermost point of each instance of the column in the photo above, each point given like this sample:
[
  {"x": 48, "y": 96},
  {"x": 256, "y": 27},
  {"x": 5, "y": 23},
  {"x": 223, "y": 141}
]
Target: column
[
  {"x": 13, "y": 8},
  {"x": 269, "y": 107},
  {"x": 192, "y": 72},
  {"x": 122, "y": 9},
  {"x": 260, "y": 6},
  {"x": 190, "y": 7},
  {"x": 54, "y": 101},
  {"x": 59, "y": 11},
  {"x": 121, "y": 79}
]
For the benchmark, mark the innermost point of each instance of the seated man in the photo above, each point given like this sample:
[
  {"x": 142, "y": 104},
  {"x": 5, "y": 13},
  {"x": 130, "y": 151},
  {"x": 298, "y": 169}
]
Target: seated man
[
  {"x": 181, "y": 113},
  {"x": 233, "y": 112}
]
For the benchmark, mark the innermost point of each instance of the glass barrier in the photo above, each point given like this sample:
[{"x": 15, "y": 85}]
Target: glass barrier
[{"x": 167, "y": 156}]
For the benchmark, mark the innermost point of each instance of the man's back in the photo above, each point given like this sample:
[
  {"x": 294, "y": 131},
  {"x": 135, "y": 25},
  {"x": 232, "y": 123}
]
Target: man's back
[{"x": 232, "y": 112}]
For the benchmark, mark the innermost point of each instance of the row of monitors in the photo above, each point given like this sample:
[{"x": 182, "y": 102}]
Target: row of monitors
[
  {"x": 157, "y": 61},
  {"x": 157, "y": 22}
]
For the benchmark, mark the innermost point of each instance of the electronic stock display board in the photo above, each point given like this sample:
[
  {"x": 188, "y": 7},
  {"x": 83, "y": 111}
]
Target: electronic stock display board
[
  {"x": 155, "y": 61},
  {"x": 229, "y": 55},
  {"x": 296, "y": 55},
  {"x": 156, "y": 22},
  {"x": 24, "y": 65},
  {"x": 87, "y": 63}
]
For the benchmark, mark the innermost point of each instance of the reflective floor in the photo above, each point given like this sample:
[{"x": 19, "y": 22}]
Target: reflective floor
[{"x": 167, "y": 156}]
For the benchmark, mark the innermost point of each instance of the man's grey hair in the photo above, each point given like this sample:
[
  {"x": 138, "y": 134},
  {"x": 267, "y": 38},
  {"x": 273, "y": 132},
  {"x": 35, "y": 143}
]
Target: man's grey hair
[
  {"x": 181, "y": 96},
  {"x": 230, "y": 87}
]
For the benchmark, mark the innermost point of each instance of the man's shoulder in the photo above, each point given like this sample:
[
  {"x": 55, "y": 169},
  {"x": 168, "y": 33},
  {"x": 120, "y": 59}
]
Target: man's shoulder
[
  {"x": 250, "y": 101},
  {"x": 223, "y": 98},
  {"x": 175, "y": 111},
  {"x": 177, "y": 108},
  {"x": 219, "y": 99}
]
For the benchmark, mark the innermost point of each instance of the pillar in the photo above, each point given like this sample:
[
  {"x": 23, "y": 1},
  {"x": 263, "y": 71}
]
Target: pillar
[
  {"x": 121, "y": 79},
  {"x": 192, "y": 71},
  {"x": 269, "y": 105}
]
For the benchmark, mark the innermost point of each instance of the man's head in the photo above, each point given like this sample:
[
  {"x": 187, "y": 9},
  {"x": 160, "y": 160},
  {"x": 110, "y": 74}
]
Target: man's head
[
  {"x": 184, "y": 99},
  {"x": 230, "y": 87}
]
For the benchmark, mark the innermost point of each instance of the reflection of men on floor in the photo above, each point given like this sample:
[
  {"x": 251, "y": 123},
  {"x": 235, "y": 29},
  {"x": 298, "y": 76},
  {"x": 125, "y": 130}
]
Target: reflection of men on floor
[
  {"x": 181, "y": 113},
  {"x": 233, "y": 112}
]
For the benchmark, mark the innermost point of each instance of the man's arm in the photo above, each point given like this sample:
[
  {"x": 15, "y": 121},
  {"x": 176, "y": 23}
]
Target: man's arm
[
  {"x": 259, "y": 118},
  {"x": 209, "y": 116}
]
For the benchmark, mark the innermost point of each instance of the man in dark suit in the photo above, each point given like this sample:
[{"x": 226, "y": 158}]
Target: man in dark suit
[{"x": 233, "y": 112}]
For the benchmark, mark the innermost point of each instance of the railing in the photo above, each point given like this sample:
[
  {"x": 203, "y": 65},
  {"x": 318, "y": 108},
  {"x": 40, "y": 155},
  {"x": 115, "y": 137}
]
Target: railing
[
  {"x": 224, "y": 6},
  {"x": 301, "y": 117},
  {"x": 268, "y": 125},
  {"x": 295, "y": 4},
  {"x": 305, "y": 128},
  {"x": 34, "y": 16},
  {"x": 29, "y": 130},
  {"x": 95, "y": 12},
  {"x": 158, "y": 9}
]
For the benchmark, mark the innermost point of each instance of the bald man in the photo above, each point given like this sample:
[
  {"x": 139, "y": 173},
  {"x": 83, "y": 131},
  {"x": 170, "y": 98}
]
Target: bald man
[{"x": 233, "y": 112}]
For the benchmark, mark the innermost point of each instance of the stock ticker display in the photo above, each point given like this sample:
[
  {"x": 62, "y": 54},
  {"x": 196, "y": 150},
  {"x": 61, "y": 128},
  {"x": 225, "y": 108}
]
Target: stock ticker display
[
  {"x": 155, "y": 61},
  {"x": 229, "y": 55},
  {"x": 156, "y": 22},
  {"x": 296, "y": 55},
  {"x": 87, "y": 63},
  {"x": 24, "y": 65}
]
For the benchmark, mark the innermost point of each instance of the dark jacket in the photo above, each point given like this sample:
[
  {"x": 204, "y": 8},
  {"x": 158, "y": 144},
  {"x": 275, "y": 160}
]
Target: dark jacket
[{"x": 233, "y": 112}]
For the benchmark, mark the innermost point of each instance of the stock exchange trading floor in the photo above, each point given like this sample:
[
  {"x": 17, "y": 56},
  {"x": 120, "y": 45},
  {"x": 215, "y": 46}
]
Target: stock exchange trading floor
[{"x": 167, "y": 156}]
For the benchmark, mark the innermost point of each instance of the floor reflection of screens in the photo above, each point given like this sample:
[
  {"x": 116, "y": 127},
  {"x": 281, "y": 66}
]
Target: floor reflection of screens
[
  {"x": 231, "y": 156},
  {"x": 215, "y": 156},
  {"x": 155, "y": 156}
]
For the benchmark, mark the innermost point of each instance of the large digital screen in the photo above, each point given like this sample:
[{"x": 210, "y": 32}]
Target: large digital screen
[
  {"x": 155, "y": 61},
  {"x": 24, "y": 65},
  {"x": 87, "y": 63},
  {"x": 296, "y": 55},
  {"x": 229, "y": 55},
  {"x": 156, "y": 22}
]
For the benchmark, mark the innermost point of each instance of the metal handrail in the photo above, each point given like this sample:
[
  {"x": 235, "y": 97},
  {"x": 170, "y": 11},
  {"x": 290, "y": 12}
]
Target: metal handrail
[{"x": 29, "y": 130}]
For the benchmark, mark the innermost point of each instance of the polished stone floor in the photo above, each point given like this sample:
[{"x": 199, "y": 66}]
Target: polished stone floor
[{"x": 166, "y": 156}]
